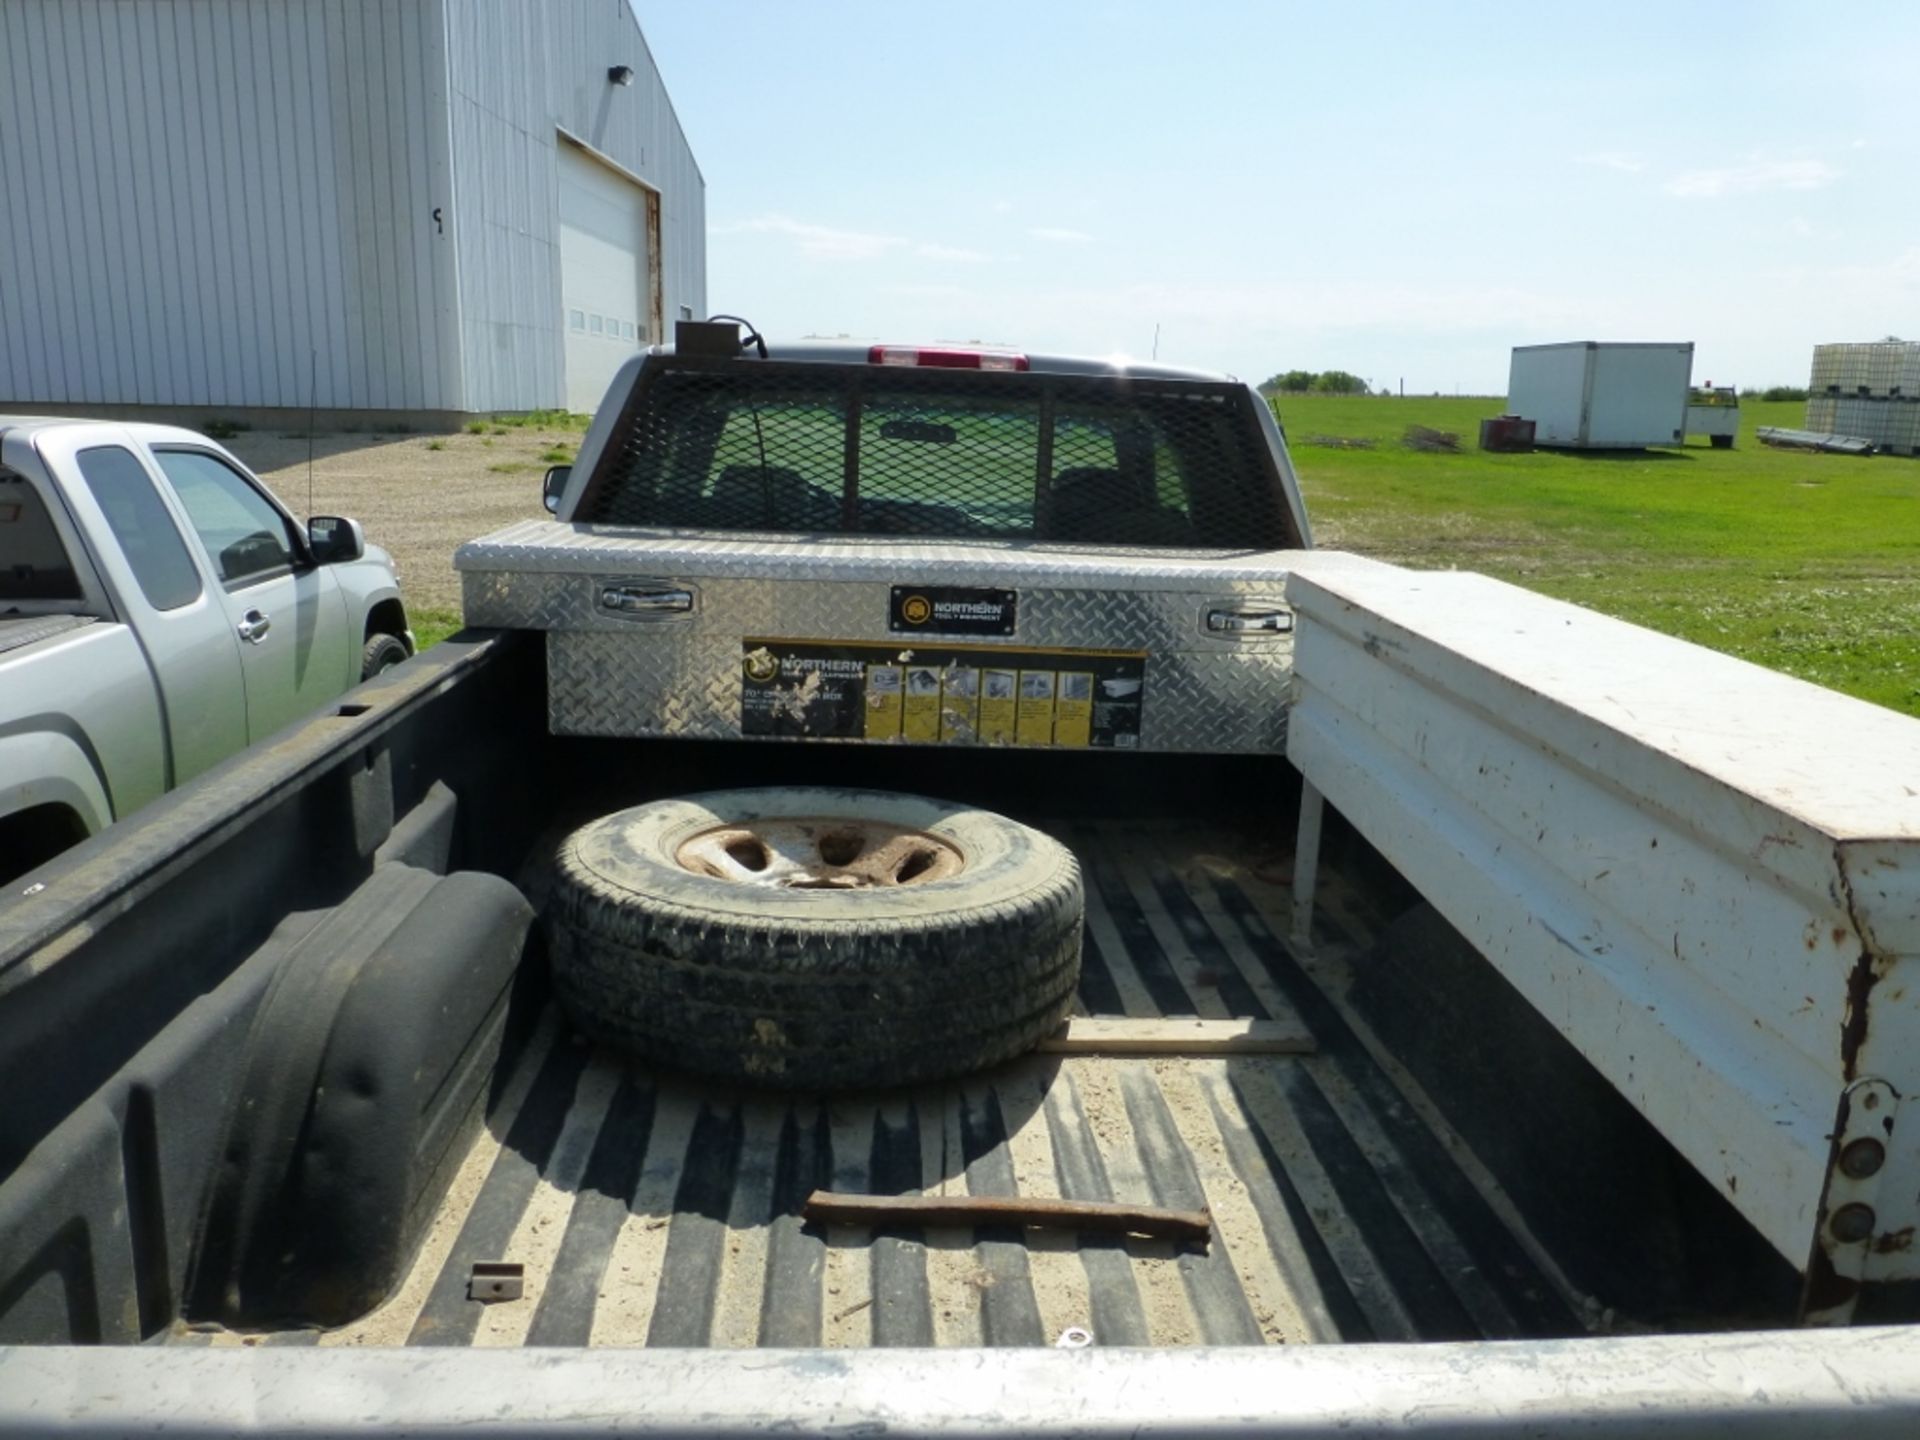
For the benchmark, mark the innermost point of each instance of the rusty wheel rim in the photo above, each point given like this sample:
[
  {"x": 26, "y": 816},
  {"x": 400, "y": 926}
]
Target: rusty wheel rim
[{"x": 820, "y": 853}]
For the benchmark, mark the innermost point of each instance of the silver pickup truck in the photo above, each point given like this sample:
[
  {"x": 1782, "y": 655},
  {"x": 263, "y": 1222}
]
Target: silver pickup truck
[{"x": 159, "y": 610}]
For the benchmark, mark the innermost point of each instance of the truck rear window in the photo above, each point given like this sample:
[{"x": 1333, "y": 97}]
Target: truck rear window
[
  {"x": 33, "y": 562},
  {"x": 867, "y": 450},
  {"x": 140, "y": 522}
]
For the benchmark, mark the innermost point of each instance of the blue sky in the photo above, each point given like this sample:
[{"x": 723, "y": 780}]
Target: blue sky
[{"x": 1404, "y": 191}]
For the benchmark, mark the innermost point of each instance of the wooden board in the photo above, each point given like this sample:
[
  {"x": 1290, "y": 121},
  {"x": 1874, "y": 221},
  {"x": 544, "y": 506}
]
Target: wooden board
[
  {"x": 1179, "y": 1035},
  {"x": 833, "y": 1208}
]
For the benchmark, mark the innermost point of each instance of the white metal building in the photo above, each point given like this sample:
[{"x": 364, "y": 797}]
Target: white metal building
[{"x": 372, "y": 206}]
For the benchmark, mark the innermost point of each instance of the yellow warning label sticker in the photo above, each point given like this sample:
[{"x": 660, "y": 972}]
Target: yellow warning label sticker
[
  {"x": 997, "y": 706},
  {"x": 1073, "y": 708},
  {"x": 959, "y": 704},
  {"x": 883, "y": 702},
  {"x": 1035, "y": 726},
  {"x": 921, "y": 718},
  {"x": 939, "y": 692}
]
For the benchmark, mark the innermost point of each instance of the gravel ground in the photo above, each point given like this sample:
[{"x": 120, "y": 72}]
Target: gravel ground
[{"x": 419, "y": 496}]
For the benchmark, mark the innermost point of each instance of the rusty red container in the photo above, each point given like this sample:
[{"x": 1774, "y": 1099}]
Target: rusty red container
[{"x": 1506, "y": 432}]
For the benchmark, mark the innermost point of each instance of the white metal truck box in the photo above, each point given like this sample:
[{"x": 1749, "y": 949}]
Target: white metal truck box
[{"x": 1674, "y": 856}]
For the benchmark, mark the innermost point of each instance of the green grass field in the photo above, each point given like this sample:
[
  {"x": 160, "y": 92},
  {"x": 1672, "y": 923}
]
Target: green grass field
[
  {"x": 431, "y": 626},
  {"x": 1806, "y": 563}
]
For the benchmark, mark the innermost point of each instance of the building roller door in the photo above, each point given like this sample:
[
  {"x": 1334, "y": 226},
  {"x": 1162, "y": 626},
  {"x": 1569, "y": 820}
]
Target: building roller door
[{"x": 606, "y": 273}]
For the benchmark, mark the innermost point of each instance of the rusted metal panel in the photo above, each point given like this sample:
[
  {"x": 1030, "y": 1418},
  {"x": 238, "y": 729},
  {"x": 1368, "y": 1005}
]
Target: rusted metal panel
[
  {"x": 1814, "y": 440},
  {"x": 1706, "y": 874},
  {"x": 1506, "y": 433}
]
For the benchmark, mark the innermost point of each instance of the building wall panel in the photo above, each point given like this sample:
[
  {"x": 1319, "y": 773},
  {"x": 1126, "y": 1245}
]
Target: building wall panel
[
  {"x": 232, "y": 205},
  {"x": 234, "y": 201},
  {"x": 520, "y": 73}
]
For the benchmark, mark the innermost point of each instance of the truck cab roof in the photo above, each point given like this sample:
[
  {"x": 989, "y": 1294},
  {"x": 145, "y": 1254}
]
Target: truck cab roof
[
  {"x": 840, "y": 351},
  {"x": 145, "y": 431}
]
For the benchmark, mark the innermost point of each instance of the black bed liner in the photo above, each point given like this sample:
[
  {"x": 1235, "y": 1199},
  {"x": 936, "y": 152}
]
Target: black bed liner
[{"x": 648, "y": 1209}]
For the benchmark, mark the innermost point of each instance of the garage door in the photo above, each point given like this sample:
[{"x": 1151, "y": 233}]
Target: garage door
[{"x": 604, "y": 273}]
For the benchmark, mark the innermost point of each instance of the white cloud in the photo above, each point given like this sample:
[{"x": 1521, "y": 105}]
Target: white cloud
[
  {"x": 819, "y": 242},
  {"x": 1614, "y": 160},
  {"x": 951, "y": 252},
  {"x": 1002, "y": 207},
  {"x": 1756, "y": 175},
  {"x": 1061, "y": 237}
]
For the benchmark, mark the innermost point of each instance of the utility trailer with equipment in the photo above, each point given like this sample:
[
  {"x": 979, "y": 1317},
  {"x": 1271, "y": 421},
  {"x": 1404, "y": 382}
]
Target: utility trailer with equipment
[
  {"x": 1442, "y": 970},
  {"x": 1714, "y": 411}
]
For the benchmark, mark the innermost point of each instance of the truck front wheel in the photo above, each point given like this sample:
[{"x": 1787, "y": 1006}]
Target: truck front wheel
[
  {"x": 383, "y": 652},
  {"x": 815, "y": 938}
]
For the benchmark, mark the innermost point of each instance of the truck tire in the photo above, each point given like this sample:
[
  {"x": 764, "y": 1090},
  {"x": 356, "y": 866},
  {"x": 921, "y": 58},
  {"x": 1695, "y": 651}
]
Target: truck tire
[
  {"x": 815, "y": 938},
  {"x": 383, "y": 652}
]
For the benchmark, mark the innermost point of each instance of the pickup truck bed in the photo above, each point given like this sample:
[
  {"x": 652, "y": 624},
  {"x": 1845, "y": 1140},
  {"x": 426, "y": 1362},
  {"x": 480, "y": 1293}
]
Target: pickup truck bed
[
  {"x": 1587, "y": 948},
  {"x": 19, "y": 631},
  {"x": 649, "y": 1210}
]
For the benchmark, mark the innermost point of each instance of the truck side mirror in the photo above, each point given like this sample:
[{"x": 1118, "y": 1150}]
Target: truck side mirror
[
  {"x": 554, "y": 487},
  {"x": 335, "y": 540}
]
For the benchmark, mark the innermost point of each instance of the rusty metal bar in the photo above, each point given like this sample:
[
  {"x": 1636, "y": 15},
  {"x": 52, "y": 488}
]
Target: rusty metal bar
[
  {"x": 1306, "y": 866},
  {"x": 875, "y": 1210}
]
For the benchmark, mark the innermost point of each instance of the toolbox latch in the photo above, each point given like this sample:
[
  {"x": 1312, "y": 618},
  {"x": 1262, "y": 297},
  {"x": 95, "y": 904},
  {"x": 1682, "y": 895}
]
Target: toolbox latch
[
  {"x": 645, "y": 600},
  {"x": 1250, "y": 622}
]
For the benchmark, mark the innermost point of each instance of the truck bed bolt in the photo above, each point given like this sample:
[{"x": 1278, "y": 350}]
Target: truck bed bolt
[
  {"x": 1852, "y": 1223},
  {"x": 1862, "y": 1158}
]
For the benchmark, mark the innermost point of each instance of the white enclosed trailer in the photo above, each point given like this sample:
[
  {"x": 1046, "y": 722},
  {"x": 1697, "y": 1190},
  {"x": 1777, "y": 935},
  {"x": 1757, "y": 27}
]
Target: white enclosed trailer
[{"x": 1592, "y": 395}]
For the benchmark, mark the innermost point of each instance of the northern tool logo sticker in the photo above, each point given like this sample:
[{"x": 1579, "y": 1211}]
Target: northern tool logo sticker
[{"x": 948, "y": 610}]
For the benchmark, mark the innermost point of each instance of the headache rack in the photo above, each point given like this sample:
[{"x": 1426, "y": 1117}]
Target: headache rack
[{"x": 830, "y": 448}]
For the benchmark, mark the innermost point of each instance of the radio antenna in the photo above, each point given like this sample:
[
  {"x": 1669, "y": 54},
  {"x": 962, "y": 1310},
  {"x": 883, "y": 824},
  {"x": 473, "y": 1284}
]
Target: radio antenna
[{"x": 313, "y": 384}]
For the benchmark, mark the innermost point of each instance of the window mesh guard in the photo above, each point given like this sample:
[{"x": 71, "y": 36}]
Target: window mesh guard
[{"x": 852, "y": 450}]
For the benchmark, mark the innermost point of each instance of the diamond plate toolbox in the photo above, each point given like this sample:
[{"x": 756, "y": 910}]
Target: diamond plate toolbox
[{"x": 670, "y": 633}]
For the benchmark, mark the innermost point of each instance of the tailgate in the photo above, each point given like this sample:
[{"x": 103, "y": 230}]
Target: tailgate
[{"x": 895, "y": 642}]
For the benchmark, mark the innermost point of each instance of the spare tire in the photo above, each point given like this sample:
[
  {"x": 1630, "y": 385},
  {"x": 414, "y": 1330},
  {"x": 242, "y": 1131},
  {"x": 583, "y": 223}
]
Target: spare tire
[{"x": 815, "y": 938}]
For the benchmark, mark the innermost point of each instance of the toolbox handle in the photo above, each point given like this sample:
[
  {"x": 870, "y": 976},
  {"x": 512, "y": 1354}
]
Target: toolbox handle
[
  {"x": 636, "y": 600},
  {"x": 1246, "y": 622}
]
